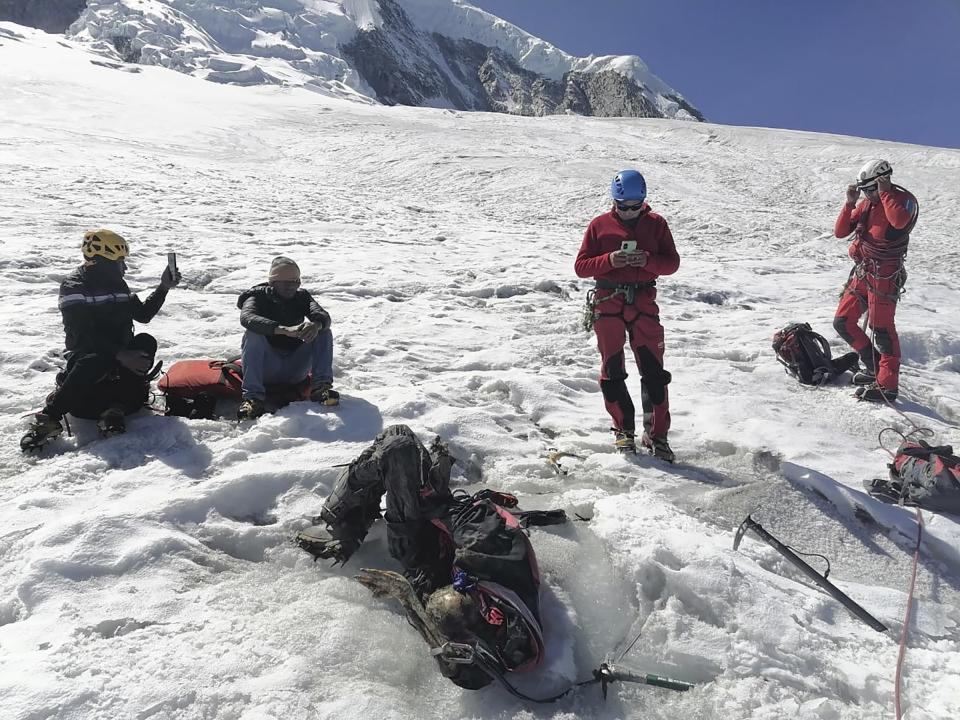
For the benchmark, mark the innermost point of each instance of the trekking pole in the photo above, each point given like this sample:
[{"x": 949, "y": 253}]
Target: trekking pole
[
  {"x": 821, "y": 580},
  {"x": 607, "y": 674}
]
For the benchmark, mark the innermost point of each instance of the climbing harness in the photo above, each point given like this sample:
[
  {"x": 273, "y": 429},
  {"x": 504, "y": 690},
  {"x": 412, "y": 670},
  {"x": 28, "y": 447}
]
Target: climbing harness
[{"x": 627, "y": 290}]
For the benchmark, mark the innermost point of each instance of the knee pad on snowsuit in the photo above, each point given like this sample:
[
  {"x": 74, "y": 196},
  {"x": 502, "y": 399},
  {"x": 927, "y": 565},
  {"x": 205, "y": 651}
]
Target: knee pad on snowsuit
[
  {"x": 881, "y": 336},
  {"x": 615, "y": 367},
  {"x": 840, "y": 325},
  {"x": 614, "y": 387},
  {"x": 655, "y": 378}
]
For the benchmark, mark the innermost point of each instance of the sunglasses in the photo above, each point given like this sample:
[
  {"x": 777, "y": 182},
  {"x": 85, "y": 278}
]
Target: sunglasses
[
  {"x": 868, "y": 188},
  {"x": 285, "y": 284},
  {"x": 629, "y": 206}
]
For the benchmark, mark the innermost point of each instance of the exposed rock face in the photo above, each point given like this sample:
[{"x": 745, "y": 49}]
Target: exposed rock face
[
  {"x": 52, "y": 16},
  {"x": 397, "y": 62},
  {"x": 437, "y": 53},
  {"x": 407, "y": 67}
]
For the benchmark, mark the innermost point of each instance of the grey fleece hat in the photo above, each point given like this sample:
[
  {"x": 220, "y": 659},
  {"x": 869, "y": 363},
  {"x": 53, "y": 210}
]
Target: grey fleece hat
[{"x": 283, "y": 268}]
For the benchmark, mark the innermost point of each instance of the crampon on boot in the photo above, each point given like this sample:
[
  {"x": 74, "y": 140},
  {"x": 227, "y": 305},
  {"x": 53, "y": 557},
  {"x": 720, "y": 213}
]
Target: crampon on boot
[
  {"x": 250, "y": 409},
  {"x": 658, "y": 447},
  {"x": 325, "y": 395},
  {"x": 112, "y": 422},
  {"x": 877, "y": 394},
  {"x": 42, "y": 430},
  {"x": 320, "y": 542},
  {"x": 624, "y": 441}
]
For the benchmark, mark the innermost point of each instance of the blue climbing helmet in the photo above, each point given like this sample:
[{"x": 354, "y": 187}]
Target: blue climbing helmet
[{"x": 628, "y": 185}]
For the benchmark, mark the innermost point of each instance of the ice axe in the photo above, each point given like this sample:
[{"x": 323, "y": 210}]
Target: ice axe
[
  {"x": 607, "y": 674},
  {"x": 821, "y": 580}
]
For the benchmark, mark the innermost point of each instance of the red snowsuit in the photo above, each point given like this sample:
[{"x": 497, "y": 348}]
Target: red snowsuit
[
  {"x": 626, "y": 305},
  {"x": 882, "y": 236}
]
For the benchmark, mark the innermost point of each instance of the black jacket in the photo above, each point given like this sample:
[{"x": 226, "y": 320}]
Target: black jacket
[
  {"x": 262, "y": 311},
  {"x": 98, "y": 310}
]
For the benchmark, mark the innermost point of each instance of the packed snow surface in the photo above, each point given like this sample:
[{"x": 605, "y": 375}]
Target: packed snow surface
[{"x": 151, "y": 575}]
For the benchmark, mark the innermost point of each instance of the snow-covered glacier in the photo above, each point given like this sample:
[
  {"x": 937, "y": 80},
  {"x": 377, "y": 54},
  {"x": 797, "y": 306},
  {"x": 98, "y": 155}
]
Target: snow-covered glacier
[{"x": 436, "y": 53}]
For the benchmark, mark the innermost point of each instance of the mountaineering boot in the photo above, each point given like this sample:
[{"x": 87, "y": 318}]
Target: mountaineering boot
[
  {"x": 887, "y": 491},
  {"x": 250, "y": 409},
  {"x": 624, "y": 441},
  {"x": 875, "y": 393},
  {"x": 320, "y": 542},
  {"x": 111, "y": 422},
  {"x": 42, "y": 430},
  {"x": 325, "y": 395},
  {"x": 864, "y": 377},
  {"x": 658, "y": 447}
]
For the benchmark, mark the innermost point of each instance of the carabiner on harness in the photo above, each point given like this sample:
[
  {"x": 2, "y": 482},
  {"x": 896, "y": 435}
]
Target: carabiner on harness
[
  {"x": 590, "y": 313},
  {"x": 455, "y": 653}
]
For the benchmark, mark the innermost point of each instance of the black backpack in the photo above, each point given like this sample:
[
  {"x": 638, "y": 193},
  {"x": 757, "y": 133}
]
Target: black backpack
[{"x": 806, "y": 355}]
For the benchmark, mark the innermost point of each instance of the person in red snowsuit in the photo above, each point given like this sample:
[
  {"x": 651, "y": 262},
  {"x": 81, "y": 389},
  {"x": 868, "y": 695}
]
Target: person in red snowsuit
[
  {"x": 626, "y": 250},
  {"x": 881, "y": 224}
]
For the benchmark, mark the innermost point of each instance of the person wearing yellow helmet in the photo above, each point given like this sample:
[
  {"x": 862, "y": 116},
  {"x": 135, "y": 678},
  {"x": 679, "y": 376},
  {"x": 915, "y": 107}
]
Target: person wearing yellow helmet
[
  {"x": 103, "y": 243},
  {"x": 108, "y": 366}
]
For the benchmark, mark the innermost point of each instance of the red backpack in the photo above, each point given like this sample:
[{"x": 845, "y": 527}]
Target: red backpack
[
  {"x": 191, "y": 388},
  {"x": 806, "y": 355},
  {"x": 922, "y": 475}
]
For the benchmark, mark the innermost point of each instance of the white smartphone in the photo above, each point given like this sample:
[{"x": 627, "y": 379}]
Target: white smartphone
[
  {"x": 172, "y": 263},
  {"x": 629, "y": 246}
]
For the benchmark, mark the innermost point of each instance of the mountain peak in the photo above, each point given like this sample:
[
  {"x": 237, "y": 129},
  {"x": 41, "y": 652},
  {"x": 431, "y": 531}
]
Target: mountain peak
[{"x": 437, "y": 53}]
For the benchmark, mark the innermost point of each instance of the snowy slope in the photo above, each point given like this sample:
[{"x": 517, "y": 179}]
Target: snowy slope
[
  {"x": 151, "y": 575},
  {"x": 441, "y": 53}
]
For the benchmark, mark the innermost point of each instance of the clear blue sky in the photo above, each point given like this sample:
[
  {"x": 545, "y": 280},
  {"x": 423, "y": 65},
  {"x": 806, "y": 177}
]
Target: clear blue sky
[{"x": 886, "y": 69}]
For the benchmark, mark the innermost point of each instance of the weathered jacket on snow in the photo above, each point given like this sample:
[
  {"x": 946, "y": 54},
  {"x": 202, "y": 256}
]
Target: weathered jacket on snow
[{"x": 262, "y": 311}]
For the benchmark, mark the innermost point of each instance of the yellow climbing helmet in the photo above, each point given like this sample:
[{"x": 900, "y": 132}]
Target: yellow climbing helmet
[{"x": 104, "y": 243}]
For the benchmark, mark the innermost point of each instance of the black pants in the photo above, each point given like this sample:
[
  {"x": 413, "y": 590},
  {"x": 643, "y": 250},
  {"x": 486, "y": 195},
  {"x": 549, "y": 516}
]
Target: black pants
[
  {"x": 417, "y": 489},
  {"x": 92, "y": 383}
]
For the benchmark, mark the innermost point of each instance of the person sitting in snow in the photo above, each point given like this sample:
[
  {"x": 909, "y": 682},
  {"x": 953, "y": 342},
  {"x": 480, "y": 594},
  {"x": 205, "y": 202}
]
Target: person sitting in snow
[
  {"x": 108, "y": 369},
  {"x": 881, "y": 225},
  {"x": 287, "y": 336},
  {"x": 470, "y": 585},
  {"x": 626, "y": 250}
]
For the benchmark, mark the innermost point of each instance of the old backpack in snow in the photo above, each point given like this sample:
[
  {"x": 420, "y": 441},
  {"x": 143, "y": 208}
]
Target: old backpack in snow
[
  {"x": 806, "y": 355},
  {"x": 922, "y": 475}
]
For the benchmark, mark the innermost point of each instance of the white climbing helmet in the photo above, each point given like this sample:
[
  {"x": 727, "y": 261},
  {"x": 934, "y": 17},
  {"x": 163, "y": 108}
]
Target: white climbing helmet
[{"x": 872, "y": 170}]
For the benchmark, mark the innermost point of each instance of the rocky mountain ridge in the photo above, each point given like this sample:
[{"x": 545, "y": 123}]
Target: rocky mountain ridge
[{"x": 436, "y": 53}]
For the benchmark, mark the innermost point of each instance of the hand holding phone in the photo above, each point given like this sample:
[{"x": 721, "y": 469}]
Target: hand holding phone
[
  {"x": 638, "y": 259},
  {"x": 171, "y": 276}
]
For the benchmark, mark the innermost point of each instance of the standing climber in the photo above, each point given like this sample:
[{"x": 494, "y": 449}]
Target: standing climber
[
  {"x": 626, "y": 250},
  {"x": 881, "y": 225}
]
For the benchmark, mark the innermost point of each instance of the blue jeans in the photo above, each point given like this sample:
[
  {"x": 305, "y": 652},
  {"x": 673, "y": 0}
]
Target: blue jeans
[{"x": 264, "y": 364}]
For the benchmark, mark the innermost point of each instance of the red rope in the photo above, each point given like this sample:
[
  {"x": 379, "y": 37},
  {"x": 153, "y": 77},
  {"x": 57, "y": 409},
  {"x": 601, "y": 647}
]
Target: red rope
[{"x": 906, "y": 617}]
